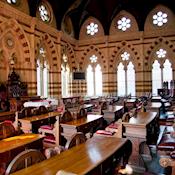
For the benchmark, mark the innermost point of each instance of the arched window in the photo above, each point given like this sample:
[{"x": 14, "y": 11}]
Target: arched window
[
  {"x": 167, "y": 71},
  {"x": 130, "y": 79},
  {"x": 65, "y": 81},
  {"x": 156, "y": 77},
  {"x": 121, "y": 80},
  {"x": 90, "y": 81},
  {"x": 98, "y": 80},
  {"x": 126, "y": 76},
  {"x": 161, "y": 71},
  {"x": 42, "y": 75},
  {"x": 39, "y": 78},
  {"x": 94, "y": 78},
  {"x": 45, "y": 80}
]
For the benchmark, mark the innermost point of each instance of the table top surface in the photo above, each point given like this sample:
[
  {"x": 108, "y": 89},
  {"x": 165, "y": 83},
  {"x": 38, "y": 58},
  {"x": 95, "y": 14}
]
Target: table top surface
[
  {"x": 142, "y": 119},
  {"x": 83, "y": 120},
  {"x": 113, "y": 108},
  {"x": 18, "y": 141},
  {"x": 80, "y": 159},
  {"x": 40, "y": 117}
]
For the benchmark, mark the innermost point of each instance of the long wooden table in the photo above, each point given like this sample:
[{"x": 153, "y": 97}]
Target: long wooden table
[
  {"x": 96, "y": 156},
  {"x": 84, "y": 124},
  {"x": 112, "y": 113},
  {"x": 31, "y": 124},
  {"x": 137, "y": 130},
  {"x": 12, "y": 146}
]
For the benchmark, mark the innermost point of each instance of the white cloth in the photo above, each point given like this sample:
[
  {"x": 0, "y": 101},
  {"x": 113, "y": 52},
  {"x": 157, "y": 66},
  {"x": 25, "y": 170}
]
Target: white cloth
[{"x": 46, "y": 103}]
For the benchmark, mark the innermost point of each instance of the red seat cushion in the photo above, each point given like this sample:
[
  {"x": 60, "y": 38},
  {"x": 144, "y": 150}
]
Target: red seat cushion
[
  {"x": 46, "y": 127},
  {"x": 113, "y": 125},
  {"x": 103, "y": 132},
  {"x": 49, "y": 138}
]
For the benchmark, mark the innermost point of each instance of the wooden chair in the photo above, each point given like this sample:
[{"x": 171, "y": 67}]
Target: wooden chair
[
  {"x": 76, "y": 139},
  {"x": 24, "y": 160},
  {"x": 6, "y": 130},
  {"x": 66, "y": 117},
  {"x": 25, "y": 112},
  {"x": 82, "y": 113},
  {"x": 43, "y": 110},
  {"x": 151, "y": 160}
]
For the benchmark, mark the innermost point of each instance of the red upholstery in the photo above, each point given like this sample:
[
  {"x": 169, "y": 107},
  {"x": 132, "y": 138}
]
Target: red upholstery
[
  {"x": 46, "y": 127},
  {"x": 49, "y": 138},
  {"x": 103, "y": 132},
  {"x": 113, "y": 125},
  {"x": 8, "y": 121}
]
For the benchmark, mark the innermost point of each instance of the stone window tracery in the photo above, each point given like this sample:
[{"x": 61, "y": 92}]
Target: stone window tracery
[
  {"x": 92, "y": 29},
  {"x": 44, "y": 12},
  {"x": 124, "y": 24},
  {"x": 160, "y": 18}
]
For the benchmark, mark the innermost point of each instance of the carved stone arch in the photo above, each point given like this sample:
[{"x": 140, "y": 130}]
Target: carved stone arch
[
  {"x": 116, "y": 56},
  {"x": 69, "y": 51},
  {"x": 93, "y": 50},
  {"x": 18, "y": 33},
  {"x": 157, "y": 44},
  {"x": 51, "y": 51}
]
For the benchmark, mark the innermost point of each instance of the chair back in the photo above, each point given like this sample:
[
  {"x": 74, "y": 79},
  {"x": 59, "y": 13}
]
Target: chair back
[
  {"x": 82, "y": 113},
  {"x": 6, "y": 130},
  {"x": 66, "y": 117},
  {"x": 43, "y": 110},
  {"x": 24, "y": 160},
  {"x": 25, "y": 112},
  {"x": 76, "y": 139}
]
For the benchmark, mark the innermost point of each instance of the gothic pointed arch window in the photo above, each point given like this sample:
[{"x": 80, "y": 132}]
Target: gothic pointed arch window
[
  {"x": 156, "y": 78},
  {"x": 42, "y": 74},
  {"x": 94, "y": 77},
  {"x": 130, "y": 79},
  {"x": 126, "y": 76},
  {"x": 167, "y": 71},
  {"x": 161, "y": 70},
  {"x": 65, "y": 74}
]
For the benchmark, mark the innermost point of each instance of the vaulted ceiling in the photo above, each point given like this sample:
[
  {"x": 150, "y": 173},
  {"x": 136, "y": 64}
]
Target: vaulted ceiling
[{"x": 104, "y": 10}]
